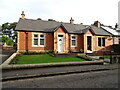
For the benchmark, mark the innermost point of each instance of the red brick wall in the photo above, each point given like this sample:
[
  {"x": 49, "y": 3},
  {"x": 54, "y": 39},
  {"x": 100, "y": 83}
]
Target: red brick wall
[
  {"x": 95, "y": 46},
  {"x": 22, "y": 42},
  {"x": 49, "y": 41},
  {"x": 108, "y": 43},
  {"x": 60, "y": 30},
  {"x": 80, "y": 42}
]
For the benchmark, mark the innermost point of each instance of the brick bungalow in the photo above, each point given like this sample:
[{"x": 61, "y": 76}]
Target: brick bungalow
[{"x": 40, "y": 36}]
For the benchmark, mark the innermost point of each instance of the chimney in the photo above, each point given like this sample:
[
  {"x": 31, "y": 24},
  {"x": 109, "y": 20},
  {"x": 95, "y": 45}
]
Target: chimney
[
  {"x": 71, "y": 20},
  {"x": 97, "y": 23},
  {"x": 23, "y": 15}
]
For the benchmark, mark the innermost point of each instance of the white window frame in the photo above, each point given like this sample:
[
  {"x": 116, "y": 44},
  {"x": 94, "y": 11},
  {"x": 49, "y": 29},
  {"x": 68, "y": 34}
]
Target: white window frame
[
  {"x": 38, "y": 40},
  {"x": 74, "y": 39}
]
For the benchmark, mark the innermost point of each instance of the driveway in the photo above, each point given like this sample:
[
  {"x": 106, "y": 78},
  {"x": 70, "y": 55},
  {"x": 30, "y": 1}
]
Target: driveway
[{"x": 5, "y": 54}]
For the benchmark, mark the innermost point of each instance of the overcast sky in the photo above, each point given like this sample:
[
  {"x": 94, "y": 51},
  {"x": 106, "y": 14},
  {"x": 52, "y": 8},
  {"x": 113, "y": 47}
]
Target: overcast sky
[{"x": 82, "y": 11}]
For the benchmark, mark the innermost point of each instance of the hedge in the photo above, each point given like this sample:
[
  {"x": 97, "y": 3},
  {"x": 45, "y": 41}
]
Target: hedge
[{"x": 116, "y": 48}]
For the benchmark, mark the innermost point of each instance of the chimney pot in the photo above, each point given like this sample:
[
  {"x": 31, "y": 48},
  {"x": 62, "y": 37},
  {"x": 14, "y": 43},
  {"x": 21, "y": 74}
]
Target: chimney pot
[
  {"x": 71, "y": 20},
  {"x": 97, "y": 23},
  {"x": 23, "y": 15}
]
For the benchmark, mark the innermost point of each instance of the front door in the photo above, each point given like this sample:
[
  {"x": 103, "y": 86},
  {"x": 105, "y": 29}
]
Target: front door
[
  {"x": 89, "y": 42},
  {"x": 60, "y": 43}
]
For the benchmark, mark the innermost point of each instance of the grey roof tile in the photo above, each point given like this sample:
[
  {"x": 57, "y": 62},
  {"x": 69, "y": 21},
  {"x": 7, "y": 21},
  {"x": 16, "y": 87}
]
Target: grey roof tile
[
  {"x": 99, "y": 30},
  {"x": 51, "y": 26}
]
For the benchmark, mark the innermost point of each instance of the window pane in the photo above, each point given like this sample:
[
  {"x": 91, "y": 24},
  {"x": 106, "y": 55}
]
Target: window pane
[
  {"x": 35, "y": 35},
  {"x": 41, "y": 36},
  {"x": 103, "y": 41},
  {"x": 35, "y": 41},
  {"x": 60, "y": 35},
  {"x": 73, "y": 37},
  {"x": 99, "y": 41},
  {"x": 41, "y": 41},
  {"x": 73, "y": 42}
]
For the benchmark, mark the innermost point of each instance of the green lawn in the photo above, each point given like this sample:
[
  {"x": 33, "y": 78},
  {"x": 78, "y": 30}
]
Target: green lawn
[
  {"x": 107, "y": 57},
  {"x": 43, "y": 58}
]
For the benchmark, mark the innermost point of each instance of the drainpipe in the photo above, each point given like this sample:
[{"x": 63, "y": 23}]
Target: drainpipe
[{"x": 26, "y": 41}]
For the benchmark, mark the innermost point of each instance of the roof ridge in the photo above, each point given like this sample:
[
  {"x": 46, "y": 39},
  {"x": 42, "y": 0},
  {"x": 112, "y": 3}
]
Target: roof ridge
[
  {"x": 52, "y": 21},
  {"x": 40, "y": 20}
]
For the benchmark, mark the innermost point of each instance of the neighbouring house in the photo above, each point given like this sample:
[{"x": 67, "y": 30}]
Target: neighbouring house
[
  {"x": 115, "y": 33},
  {"x": 41, "y": 36}
]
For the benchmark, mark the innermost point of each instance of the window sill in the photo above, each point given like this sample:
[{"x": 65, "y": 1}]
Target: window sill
[
  {"x": 38, "y": 46},
  {"x": 101, "y": 46},
  {"x": 73, "y": 46}
]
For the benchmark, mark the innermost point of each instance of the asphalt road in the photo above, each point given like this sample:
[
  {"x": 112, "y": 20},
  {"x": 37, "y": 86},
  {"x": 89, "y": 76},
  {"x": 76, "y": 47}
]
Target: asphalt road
[{"x": 101, "y": 79}]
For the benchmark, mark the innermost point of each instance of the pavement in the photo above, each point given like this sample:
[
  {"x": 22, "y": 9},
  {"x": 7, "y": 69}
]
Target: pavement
[
  {"x": 5, "y": 54},
  {"x": 8, "y": 75}
]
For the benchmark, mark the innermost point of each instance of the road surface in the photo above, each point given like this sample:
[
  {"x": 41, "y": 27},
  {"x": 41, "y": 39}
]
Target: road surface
[{"x": 99, "y": 79}]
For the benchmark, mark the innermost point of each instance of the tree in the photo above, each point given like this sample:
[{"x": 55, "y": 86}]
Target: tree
[
  {"x": 51, "y": 20},
  {"x": 10, "y": 42},
  {"x": 8, "y": 29},
  {"x": 4, "y": 38},
  {"x": 39, "y": 19},
  {"x": 12, "y": 28},
  {"x": 0, "y": 27}
]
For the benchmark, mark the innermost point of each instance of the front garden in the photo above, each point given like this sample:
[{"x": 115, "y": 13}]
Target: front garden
[{"x": 44, "y": 58}]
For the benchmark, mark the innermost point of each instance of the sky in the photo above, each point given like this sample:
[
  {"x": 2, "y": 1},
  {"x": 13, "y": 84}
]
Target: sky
[{"x": 82, "y": 11}]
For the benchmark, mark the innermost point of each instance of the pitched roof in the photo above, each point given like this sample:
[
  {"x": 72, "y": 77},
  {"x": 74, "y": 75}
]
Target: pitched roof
[
  {"x": 51, "y": 26},
  {"x": 99, "y": 31},
  {"x": 45, "y": 26},
  {"x": 110, "y": 30}
]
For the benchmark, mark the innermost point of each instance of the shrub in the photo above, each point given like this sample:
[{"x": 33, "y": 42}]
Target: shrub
[
  {"x": 4, "y": 38},
  {"x": 81, "y": 50},
  {"x": 10, "y": 42},
  {"x": 85, "y": 57},
  {"x": 116, "y": 48}
]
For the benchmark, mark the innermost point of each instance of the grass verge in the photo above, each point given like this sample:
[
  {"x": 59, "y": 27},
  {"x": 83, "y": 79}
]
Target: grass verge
[{"x": 106, "y": 57}]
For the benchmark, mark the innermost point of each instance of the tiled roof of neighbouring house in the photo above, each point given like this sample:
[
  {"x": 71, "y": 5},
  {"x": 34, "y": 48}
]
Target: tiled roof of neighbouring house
[
  {"x": 51, "y": 26},
  {"x": 111, "y": 30}
]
